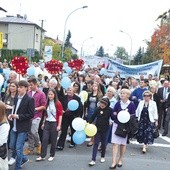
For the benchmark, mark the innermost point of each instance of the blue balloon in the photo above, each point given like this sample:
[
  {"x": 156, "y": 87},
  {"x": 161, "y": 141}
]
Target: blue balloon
[
  {"x": 102, "y": 71},
  {"x": 79, "y": 137},
  {"x": 31, "y": 71},
  {"x": 68, "y": 70},
  {"x": 65, "y": 82},
  {"x": 64, "y": 75},
  {"x": 6, "y": 72},
  {"x": 65, "y": 64},
  {"x": 42, "y": 65},
  {"x": 73, "y": 105}
]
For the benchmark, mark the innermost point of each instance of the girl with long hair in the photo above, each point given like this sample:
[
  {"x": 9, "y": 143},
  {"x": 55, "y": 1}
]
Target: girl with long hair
[
  {"x": 91, "y": 103},
  {"x": 4, "y": 131},
  {"x": 51, "y": 124}
]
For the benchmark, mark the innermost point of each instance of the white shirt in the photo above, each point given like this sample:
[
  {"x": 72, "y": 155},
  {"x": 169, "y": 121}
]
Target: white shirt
[
  {"x": 51, "y": 112},
  {"x": 4, "y": 131},
  {"x": 16, "y": 109},
  {"x": 124, "y": 105}
]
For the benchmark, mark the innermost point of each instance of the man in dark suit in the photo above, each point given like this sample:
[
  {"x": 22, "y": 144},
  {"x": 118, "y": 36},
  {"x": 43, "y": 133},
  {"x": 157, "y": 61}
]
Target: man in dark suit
[
  {"x": 21, "y": 116},
  {"x": 167, "y": 119},
  {"x": 162, "y": 93},
  {"x": 68, "y": 117}
]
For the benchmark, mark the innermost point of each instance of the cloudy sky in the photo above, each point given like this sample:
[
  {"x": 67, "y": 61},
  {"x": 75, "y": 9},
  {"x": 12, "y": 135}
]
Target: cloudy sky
[{"x": 102, "y": 20}]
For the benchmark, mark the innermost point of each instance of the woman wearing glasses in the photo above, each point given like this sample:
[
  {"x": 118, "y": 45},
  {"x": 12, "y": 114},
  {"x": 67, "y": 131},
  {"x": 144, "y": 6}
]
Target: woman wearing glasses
[{"x": 147, "y": 115}]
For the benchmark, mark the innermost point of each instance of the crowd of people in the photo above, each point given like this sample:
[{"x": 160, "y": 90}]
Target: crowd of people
[{"x": 35, "y": 109}]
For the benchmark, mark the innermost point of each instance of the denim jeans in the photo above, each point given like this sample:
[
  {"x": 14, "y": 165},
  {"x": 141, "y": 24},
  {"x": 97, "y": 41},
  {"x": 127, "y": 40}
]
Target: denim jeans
[{"x": 17, "y": 141}]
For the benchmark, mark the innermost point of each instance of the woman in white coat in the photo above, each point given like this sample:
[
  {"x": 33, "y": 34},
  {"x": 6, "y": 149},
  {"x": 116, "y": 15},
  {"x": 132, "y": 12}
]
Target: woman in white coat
[
  {"x": 4, "y": 131},
  {"x": 147, "y": 115}
]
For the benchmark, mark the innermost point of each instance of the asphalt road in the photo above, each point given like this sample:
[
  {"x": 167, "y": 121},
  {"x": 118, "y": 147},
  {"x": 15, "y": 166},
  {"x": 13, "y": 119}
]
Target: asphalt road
[{"x": 156, "y": 158}]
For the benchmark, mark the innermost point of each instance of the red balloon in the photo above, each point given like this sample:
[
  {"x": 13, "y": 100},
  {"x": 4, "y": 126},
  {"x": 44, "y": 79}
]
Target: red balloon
[
  {"x": 53, "y": 66},
  {"x": 20, "y": 64}
]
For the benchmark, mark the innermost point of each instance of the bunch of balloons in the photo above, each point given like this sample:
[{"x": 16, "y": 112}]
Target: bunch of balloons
[
  {"x": 20, "y": 64},
  {"x": 76, "y": 63},
  {"x": 54, "y": 66},
  {"x": 82, "y": 128}
]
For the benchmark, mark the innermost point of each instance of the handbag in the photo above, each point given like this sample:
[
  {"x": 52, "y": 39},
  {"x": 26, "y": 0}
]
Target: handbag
[
  {"x": 3, "y": 148},
  {"x": 155, "y": 132},
  {"x": 133, "y": 127},
  {"x": 3, "y": 151},
  {"x": 121, "y": 130}
]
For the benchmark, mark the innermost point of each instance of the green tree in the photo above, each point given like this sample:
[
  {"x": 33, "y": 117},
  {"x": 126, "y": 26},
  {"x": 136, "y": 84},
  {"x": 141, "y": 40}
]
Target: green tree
[
  {"x": 121, "y": 53},
  {"x": 67, "y": 54},
  {"x": 74, "y": 56},
  {"x": 57, "y": 51},
  {"x": 67, "y": 41},
  {"x": 138, "y": 57},
  {"x": 100, "y": 52}
]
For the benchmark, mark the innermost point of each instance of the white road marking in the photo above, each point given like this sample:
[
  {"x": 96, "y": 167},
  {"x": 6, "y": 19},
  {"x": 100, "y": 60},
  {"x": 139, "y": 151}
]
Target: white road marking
[
  {"x": 154, "y": 144},
  {"x": 167, "y": 139}
]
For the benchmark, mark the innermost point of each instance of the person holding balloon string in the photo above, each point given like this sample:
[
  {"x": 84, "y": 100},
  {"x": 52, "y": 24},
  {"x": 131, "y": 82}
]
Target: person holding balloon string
[
  {"x": 110, "y": 94},
  {"x": 91, "y": 104},
  {"x": 51, "y": 125},
  {"x": 81, "y": 93},
  {"x": 73, "y": 108},
  {"x": 122, "y": 111},
  {"x": 101, "y": 116}
]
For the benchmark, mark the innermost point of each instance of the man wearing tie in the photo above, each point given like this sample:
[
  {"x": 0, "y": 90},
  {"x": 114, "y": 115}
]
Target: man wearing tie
[
  {"x": 162, "y": 93},
  {"x": 21, "y": 117}
]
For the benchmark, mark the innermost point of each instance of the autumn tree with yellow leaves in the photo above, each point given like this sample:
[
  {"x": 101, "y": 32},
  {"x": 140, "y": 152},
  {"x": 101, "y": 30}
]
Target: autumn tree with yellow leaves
[{"x": 159, "y": 47}]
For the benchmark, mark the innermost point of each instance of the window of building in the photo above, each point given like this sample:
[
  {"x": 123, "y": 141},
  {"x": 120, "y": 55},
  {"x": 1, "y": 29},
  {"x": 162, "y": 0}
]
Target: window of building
[{"x": 36, "y": 38}]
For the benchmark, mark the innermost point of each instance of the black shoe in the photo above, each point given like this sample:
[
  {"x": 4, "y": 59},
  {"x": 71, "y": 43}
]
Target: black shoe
[
  {"x": 112, "y": 167},
  {"x": 119, "y": 165},
  {"x": 164, "y": 134},
  {"x": 60, "y": 148},
  {"x": 24, "y": 162},
  {"x": 71, "y": 146}
]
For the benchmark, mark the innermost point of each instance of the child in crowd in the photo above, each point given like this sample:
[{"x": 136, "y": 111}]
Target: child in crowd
[{"x": 101, "y": 116}]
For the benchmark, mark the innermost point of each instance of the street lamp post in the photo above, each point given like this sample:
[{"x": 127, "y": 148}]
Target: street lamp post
[
  {"x": 82, "y": 54},
  {"x": 130, "y": 44},
  {"x": 2, "y": 9},
  {"x": 63, "y": 46}
]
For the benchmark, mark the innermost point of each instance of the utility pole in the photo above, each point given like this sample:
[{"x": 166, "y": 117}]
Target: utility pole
[{"x": 42, "y": 24}]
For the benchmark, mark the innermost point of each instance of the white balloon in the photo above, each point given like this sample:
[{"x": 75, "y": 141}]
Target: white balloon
[
  {"x": 37, "y": 71},
  {"x": 78, "y": 124},
  {"x": 123, "y": 116},
  {"x": 1, "y": 80}
]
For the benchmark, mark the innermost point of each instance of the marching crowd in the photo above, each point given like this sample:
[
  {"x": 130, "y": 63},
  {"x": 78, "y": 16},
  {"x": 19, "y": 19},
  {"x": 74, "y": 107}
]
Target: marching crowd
[{"x": 35, "y": 109}]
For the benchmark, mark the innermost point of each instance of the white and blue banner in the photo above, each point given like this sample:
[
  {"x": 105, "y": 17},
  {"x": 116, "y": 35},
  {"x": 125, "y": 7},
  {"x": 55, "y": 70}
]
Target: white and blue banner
[
  {"x": 135, "y": 71},
  {"x": 48, "y": 53}
]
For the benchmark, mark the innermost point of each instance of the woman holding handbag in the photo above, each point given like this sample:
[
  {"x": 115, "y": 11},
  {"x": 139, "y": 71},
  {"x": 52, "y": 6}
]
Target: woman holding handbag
[
  {"x": 51, "y": 125},
  {"x": 4, "y": 131},
  {"x": 123, "y": 104},
  {"x": 147, "y": 115}
]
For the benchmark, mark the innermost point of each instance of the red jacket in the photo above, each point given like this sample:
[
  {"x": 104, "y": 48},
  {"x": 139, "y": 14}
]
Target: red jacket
[{"x": 59, "y": 110}]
